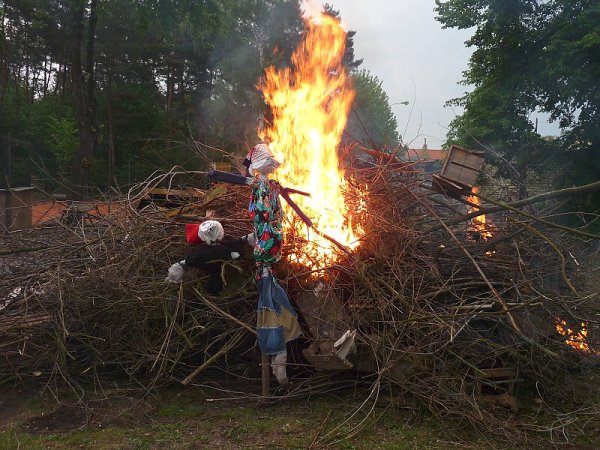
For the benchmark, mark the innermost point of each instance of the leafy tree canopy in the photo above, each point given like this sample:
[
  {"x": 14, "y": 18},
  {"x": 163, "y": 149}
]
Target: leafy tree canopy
[
  {"x": 531, "y": 55},
  {"x": 528, "y": 55},
  {"x": 105, "y": 92},
  {"x": 371, "y": 120}
]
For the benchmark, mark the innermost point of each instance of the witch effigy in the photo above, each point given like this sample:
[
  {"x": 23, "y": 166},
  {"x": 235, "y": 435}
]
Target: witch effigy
[
  {"x": 277, "y": 322},
  {"x": 210, "y": 256}
]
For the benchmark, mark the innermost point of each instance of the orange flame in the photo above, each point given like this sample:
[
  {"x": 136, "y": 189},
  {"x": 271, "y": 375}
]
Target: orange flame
[
  {"x": 576, "y": 340},
  {"x": 479, "y": 223},
  {"x": 310, "y": 104}
]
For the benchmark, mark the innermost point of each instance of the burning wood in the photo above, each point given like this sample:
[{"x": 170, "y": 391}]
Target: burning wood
[
  {"x": 310, "y": 104},
  {"x": 578, "y": 340},
  {"x": 426, "y": 320},
  {"x": 479, "y": 225}
]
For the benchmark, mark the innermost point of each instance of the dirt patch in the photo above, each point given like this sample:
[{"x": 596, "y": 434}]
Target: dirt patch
[
  {"x": 64, "y": 418},
  {"x": 113, "y": 412},
  {"x": 12, "y": 403}
]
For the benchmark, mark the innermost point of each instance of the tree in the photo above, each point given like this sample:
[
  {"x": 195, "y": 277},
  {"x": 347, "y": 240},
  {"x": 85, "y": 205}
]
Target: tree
[
  {"x": 136, "y": 79},
  {"x": 83, "y": 96},
  {"x": 496, "y": 113},
  {"x": 532, "y": 55},
  {"x": 568, "y": 86},
  {"x": 371, "y": 120},
  {"x": 529, "y": 55}
]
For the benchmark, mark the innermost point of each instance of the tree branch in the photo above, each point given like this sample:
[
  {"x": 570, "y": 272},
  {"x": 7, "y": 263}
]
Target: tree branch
[{"x": 500, "y": 206}]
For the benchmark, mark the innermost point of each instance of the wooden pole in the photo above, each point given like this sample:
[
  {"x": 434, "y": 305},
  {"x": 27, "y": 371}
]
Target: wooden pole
[{"x": 266, "y": 376}]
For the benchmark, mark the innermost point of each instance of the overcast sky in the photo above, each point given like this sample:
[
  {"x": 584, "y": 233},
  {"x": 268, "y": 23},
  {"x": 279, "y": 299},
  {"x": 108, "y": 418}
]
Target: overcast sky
[{"x": 405, "y": 47}]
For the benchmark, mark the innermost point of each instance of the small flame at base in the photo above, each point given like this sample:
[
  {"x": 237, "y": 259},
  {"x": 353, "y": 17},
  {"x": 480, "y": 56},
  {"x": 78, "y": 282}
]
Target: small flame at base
[
  {"x": 479, "y": 224},
  {"x": 577, "y": 340}
]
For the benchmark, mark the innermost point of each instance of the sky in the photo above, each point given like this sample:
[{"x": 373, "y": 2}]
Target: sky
[{"x": 416, "y": 60}]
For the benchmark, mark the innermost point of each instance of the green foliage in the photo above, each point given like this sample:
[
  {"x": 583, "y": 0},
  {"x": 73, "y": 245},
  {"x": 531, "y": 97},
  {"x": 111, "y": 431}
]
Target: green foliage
[
  {"x": 371, "y": 120},
  {"x": 531, "y": 55},
  {"x": 63, "y": 141},
  {"x": 164, "y": 72},
  {"x": 36, "y": 124},
  {"x": 500, "y": 69}
]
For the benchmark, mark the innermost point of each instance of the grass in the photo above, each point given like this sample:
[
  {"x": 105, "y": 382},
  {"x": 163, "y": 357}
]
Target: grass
[{"x": 183, "y": 419}]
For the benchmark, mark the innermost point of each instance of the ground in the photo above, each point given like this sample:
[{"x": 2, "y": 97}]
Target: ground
[
  {"x": 202, "y": 417},
  {"x": 186, "y": 418}
]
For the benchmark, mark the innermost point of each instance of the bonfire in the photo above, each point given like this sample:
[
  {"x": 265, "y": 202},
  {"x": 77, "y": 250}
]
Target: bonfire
[{"x": 454, "y": 322}]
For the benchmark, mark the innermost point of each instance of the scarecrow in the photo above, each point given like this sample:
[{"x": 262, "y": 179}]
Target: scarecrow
[
  {"x": 208, "y": 257},
  {"x": 277, "y": 322}
]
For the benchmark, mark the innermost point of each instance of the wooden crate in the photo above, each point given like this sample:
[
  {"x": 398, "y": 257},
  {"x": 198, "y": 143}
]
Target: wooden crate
[
  {"x": 326, "y": 318},
  {"x": 223, "y": 166},
  {"x": 15, "y": 207},
  {"x": 460, "y": 171}
]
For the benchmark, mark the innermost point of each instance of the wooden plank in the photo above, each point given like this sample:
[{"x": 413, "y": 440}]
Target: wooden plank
[
  {"x": 498, "y": 372},
  {"x": 448, "y": 187},
  {"x": 457, "y": 172},
  {"x": 265, "y": 375},
  {"x": 327, "y": 320},
  {"x": 453, "y": 173},
  {"x": 472, "y": 165}
]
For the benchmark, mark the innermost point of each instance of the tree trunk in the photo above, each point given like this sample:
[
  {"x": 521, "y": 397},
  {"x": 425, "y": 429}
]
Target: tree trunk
[
  {"x": 83, "y": 96},
  {"x": 111, "y": 137},
  {"x": 47, "y": 75},
  {"x": 170, "y": 90},
  {"x": 5, "y": 53}
]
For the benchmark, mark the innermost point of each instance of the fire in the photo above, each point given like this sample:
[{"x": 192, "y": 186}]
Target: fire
[
  {"x": 576, "y": 340},
  {"x": 310, "y": 104},
  {"x": 479, "y": 223}
]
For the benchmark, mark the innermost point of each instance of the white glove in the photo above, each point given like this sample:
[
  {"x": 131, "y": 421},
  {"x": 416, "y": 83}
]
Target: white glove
[
  {"x": 235, "y": 255},
  {"x": 278, "y": 363},
  {"x": 175, "y": 272},
  {"x": 251, "y": 239}
]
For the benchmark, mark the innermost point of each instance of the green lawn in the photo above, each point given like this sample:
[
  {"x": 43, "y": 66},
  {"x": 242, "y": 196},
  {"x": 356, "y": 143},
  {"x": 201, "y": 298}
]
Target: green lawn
[{"x": 190, "y": 418}]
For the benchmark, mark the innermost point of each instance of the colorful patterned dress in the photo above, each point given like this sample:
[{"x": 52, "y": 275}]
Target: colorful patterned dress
[{"x": 277, "y": 322}]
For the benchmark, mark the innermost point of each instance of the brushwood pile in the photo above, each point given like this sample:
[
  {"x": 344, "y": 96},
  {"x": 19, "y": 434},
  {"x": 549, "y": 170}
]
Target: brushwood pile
[{"x": 437, "y": 306}]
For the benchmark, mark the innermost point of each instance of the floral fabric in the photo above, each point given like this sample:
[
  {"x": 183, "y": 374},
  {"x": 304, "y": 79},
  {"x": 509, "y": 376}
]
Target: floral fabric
[{"x": 266, "y": 215}]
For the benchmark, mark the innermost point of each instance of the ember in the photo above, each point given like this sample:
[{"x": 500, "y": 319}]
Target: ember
[
  {"x": 577, "y": 340},
  {"x": 310, "y": 105}
]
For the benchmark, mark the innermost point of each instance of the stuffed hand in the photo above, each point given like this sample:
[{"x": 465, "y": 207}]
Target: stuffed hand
[
  {"x": 250, "y": 239},
  {"x": 175, "y": 273}
]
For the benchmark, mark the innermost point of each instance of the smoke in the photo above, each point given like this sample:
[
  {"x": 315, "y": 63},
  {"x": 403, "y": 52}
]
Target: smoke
[{"x": 312, "y": 9}]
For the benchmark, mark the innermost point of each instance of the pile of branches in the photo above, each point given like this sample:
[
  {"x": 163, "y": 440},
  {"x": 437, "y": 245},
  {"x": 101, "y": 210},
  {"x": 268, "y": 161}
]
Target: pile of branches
[{"x": 436, "y": 305}]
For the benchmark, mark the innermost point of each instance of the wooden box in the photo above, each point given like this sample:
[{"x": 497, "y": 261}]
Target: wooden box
[
  {"x": 15, "y": 208},
  {"x": 460, "y": 171}
]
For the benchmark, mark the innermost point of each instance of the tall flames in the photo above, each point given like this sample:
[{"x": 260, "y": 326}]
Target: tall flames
[{"x": 310, "y": 104}]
